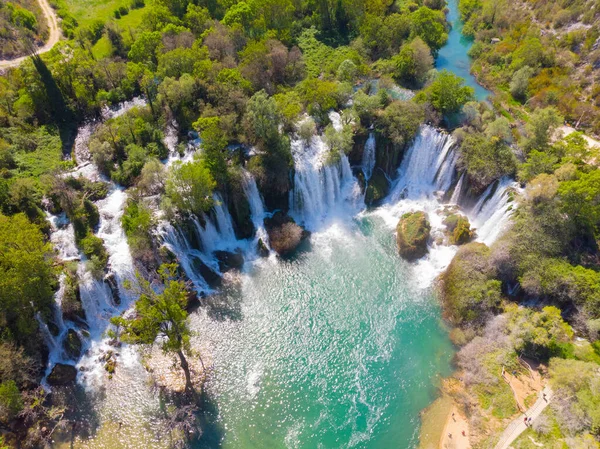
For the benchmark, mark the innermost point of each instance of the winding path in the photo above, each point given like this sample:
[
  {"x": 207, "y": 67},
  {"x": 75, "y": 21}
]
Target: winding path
[
  {"x": 52, "y": 39},
  {"x": 517, "y": 427}
]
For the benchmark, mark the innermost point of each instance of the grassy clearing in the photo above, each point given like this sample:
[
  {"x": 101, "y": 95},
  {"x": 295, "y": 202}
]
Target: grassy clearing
[
  {"x": 130, "y": 21},
  {"x": 86, "y": 11}
]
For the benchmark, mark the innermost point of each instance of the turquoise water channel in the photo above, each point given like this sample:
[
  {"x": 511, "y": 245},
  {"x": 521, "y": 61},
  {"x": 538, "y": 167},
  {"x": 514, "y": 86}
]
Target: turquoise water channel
[
  {"x": 454, "y": 55},
  {"x": 335, "y": 349}
]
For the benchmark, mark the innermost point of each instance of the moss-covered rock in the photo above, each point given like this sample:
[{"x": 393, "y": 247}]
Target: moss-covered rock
[
  {"x": 72, "y": 308},
  {"x": 72, "y": 344},
  {"x": 284, "y": 234},
  {"x": 469, "y": 290},
  {"x": 377, "y": 188},
  {"x": 459, "y": 229},
  {"x": 412, "y": 233},
  {"x": 62, "y": 374},
  {"x": 262, "y": 249}
]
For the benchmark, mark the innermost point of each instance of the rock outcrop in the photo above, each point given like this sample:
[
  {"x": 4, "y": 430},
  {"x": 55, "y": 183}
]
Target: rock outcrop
[
  {"x": 413, "y": 232},
  {"x": 62, "y": 374}
]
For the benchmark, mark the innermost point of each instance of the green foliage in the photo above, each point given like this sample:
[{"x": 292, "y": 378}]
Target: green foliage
[
  {"x": 541, "y": 126},
  {"x": 413, "y": 63},
  {"x": 429, "y": 25},
  {"x": 412, "y": 233},
  {"x": 138, "y": 223},
  {"x": 338, "y": 141},
  {"x": 161, "y": 315},
  {"x": 485, "y": 160},
  {"x": 581, "y": 199},
  {"x": 26, "y": 277},
  {"x": 540, "y": 335},
  {"x": 10, "y": 401},
  {"x": 578, "y": 383},
  {"x": 447, "y": 93},
  {"x": 468, "y": 286},
  {"x": 400, "y": 121},
  {"x": 190, "y": 187}
]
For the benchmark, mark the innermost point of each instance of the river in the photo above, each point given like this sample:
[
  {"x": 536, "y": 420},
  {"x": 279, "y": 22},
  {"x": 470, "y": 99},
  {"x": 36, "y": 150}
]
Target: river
[
  {"x": 341, "y": 346},
  {"x": 454, "y": 55}
]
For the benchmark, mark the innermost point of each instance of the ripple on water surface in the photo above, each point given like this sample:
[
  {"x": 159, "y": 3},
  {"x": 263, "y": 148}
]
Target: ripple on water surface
[{"x": 336, "y": 348}]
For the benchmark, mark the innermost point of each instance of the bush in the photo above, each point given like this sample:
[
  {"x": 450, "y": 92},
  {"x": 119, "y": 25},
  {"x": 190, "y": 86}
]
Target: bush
[
  {"x": 10, "y": 401},
  {"x": 469, "y": 290},
  {"x": 93, "y": 248}
]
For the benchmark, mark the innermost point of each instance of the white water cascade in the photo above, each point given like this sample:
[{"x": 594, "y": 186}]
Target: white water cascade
[
  {"x": 257, "y": 208},
  {"x": 428, "y": 166},
  {"x": 320, "y": 187},
  {"x": 458, "y": 189},
  {"x": 368, "y": 159},
  {"x": 424, "y": 176},
  {"x": 101, "y": 300}
]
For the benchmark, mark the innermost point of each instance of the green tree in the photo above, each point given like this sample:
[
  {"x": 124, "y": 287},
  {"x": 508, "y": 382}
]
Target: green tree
[
  {"x": 190, "y": 186},
  {"x": 414, "y": 62},
  {"x": 26, "y": 277},
  {"x": 447, "y": 93},
  {"x": 400, "y": 121},
  {"x": 429, "y": 26},
  {"x": 485, "y": 160},
  {"x": 161, "y": 315},
  {"x": 520, "y": 82},
  {"x": 10, "y": 401},
  {"x": 541, "y": 127},
  {"x": 581, "y": 199}
]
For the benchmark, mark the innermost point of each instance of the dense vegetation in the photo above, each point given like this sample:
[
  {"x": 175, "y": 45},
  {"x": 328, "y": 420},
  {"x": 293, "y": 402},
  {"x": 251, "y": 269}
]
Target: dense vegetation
[
  {"x": 21, "y": 23},
  {"x": 254, "y": 74},
  {"x": 537, "y": 54}
]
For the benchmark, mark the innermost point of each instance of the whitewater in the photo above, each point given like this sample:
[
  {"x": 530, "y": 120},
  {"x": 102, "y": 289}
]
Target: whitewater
[{"x": 339, "y": 346}]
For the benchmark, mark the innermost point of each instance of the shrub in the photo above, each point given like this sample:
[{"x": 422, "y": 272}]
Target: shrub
[
  {"x": 469, "y": 290},
  {"x": 10, "y": 401}
]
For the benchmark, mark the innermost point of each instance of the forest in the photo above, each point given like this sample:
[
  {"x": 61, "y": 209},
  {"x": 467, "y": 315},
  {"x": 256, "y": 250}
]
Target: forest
[{"x": 239, "y": 78}]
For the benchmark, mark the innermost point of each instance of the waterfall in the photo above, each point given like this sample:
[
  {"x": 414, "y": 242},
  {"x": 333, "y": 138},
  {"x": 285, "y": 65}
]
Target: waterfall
[
  {"x": 458, "y": 190},
  {"x": 428, "y": 167},
  {"x": 368, "y": 159},
  {"x": 491, "y": 214},
  {"x": 177, "y": 243},
  {"x": 425, "y": 174},
  {"x": 62, "y": 236},
  {"x": 320, "y": 188},
  {"x": 257, "y": 208},
  {"x": 123, "y": 107}
]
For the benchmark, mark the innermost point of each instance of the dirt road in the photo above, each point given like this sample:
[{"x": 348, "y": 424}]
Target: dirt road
[{"x": 53, "y": 38}]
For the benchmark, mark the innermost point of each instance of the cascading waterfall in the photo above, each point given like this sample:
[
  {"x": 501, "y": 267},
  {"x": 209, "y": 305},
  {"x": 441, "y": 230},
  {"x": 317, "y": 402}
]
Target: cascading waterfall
[
  {"x": 101, "y": 298},
  {"x": 428, "y": 167},
  {"x": 424, "y": 176},
  {"x": 491, "y": 214},
  {"x": 458, "y": 190},
  {"x": 257, "y": 208},
  {"x": 368, "y": 159},
  {"x": 320, "y": 187}
]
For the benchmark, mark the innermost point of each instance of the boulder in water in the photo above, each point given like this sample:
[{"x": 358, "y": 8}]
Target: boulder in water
[
  {"x": 229, "y": 260},
  {"x": 377, "y": 188},
  {"x": 72, "y": 308},
  {"x": 262, "y": 249},
  {"x": 62, "y": 374},
  {"x": 72, "y": 344},
  {"x": 212, "y": 278},
  {"x": 111, "y": 281},
  {"x": 284, "y": 234},
  {"x": 459, "y": 229},
  {"x": 413, "y": 231}
]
